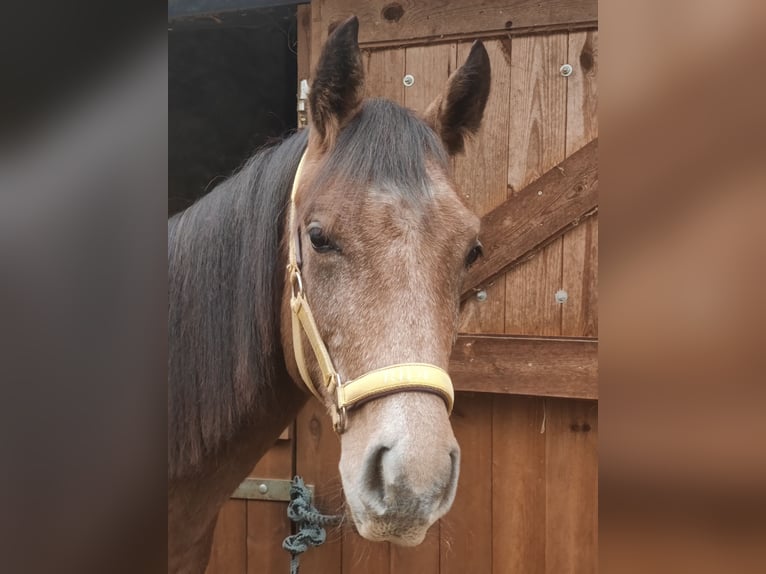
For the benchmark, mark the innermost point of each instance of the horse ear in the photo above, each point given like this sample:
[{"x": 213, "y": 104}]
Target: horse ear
[
  {"x": 457, "y": 111},
  {"x": 338, "y": 86}
]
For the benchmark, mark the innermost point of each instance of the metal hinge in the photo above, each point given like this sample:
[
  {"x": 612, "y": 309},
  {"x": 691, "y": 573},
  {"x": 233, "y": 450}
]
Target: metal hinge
[
  {"x": 266, "y": 489},
  {"x": 303, "y": 96}
]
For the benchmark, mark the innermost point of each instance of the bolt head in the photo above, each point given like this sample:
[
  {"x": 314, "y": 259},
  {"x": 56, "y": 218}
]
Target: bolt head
[
  {"x": 481, "y": 295},
  {"x": 566, "y": 70},
  {"x": 561, "y": 296},
  {"x": 408, "y": 80},
  {"x": 263, "y": 488}
]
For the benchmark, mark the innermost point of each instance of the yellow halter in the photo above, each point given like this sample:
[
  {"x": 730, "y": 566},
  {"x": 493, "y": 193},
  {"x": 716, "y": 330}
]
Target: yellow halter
[{"x": 377, "y": 383}]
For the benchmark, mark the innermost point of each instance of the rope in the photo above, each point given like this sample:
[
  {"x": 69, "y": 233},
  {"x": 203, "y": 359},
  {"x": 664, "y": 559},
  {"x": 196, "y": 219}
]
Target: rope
[{"x": 309, "y": 520}]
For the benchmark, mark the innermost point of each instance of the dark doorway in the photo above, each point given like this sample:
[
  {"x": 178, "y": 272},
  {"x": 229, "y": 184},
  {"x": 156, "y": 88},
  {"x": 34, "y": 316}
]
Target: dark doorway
[{"x": 231, "y": 90}]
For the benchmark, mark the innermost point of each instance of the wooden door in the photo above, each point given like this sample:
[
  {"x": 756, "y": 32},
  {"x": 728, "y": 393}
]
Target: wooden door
[
  {"x": 525, "y": 363},
  {"x": 249, "y": 533}
]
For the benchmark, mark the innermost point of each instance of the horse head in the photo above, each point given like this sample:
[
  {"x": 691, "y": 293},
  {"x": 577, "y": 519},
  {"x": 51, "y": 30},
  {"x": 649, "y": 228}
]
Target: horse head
[{"x": 379, "y": 242}]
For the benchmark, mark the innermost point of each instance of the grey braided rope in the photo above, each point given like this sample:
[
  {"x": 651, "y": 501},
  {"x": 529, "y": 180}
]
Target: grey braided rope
[{"x": 309, "y": 520}]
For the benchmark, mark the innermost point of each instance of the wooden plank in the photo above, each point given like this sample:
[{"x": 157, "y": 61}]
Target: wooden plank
[
  {"x": 267, "y": 522},
  {"x": 384, "y": 71},
  {"x": 423, "y": 559},
  {"x": 529, "y": 219},
  {"x": 481, "y": 178},
  {"x": 518, "y": 485},
  {"x": 580, "y": 245},
  {"x": 430, "y": 66},
  {"x": 531, "y": 306},
  {"x": 552, "y": 367},
  {"x": 466, "y": 531},
  {"x": 580, "y": 281},
  {"x": 303, "y": 35},
  {"x": 571, "y": 481},
  {"x": 582, "y": 90},
  {"x": 316, "y": 459},
  {"x": 267, "y": 527},
  {"x": 229, "y": 552},
  {"x": 361, "y": 555},
  {"x": 408, "y": 21},
  {"x": 537, "y": 144}
]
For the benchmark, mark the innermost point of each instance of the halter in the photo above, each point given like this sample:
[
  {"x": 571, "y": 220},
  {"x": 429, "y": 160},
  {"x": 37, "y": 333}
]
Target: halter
[{"x": 371, "y": 385}]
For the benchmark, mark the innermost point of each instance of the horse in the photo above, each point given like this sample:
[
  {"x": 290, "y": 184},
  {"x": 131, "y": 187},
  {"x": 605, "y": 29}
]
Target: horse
[{"x": 372, "y": 233}]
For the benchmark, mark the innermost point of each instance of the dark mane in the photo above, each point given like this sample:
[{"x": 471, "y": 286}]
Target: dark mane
[
  {"x": 384, "y": 144},
  {"x": 224, "y": 291}
]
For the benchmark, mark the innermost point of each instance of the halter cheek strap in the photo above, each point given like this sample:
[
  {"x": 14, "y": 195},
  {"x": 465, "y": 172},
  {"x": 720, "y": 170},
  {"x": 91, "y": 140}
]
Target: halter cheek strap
[{"x": 372, "y": 385}]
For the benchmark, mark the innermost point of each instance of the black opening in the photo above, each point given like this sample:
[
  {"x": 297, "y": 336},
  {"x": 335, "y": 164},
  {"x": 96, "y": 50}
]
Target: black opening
[{"x": 232, "y": 83}]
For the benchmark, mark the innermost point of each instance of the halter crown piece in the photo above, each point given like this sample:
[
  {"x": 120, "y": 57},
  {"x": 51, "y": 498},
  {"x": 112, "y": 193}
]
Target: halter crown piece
[{"x": 371, "y": 385}]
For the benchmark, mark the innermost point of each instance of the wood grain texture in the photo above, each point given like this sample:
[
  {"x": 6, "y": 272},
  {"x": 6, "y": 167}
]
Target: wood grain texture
[
  {"x": 580, "y": 245},
  {"x": 481, "y": 174},
  {"x": 423, "y": 559},
  {"x": 582, "y": 90},
  {"x": 317, "y": 456},
  {"x": 518, "y": 485},
  {"x": 571, "y": 487},
  {"x": 229, "y": 552},
  {"x": 267, "y": 527},
  {"x": 384, "y": 72},
  {"x": 537, "y": 144},
  {"x": 303, "y": 41},
  {"x": 419, "y": 20},
  {"x": 530, "y": 306},
  {"x": 580, "y": 280},
  {"x": 430, "y": 66},
  {"x": 529, "y": 219},
  {"x": 360, "y": 555},
  {"x": 466, "y": 531},
  {"x": 537, "y": 366},
  {"x": 267, "y": 522}
]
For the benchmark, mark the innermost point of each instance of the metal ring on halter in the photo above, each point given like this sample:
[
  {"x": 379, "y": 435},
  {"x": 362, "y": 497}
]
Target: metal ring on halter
[
  {"x": 295, "y": 277},
  {"x": 339, "y": 425}
]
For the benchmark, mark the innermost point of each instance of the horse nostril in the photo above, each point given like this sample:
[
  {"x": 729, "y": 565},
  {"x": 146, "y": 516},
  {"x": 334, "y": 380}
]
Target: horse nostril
[
  {"x": 374, "y": 479},
  {"x": 451, "y": 486}
]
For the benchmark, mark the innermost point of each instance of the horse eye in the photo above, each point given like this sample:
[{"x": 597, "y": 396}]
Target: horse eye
[
  {"x": 319, "y": 241},
  {"x": 473, "y": 255}
]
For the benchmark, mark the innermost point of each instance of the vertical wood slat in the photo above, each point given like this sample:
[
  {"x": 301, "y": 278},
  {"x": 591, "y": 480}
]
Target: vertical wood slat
[
  {"x": 384, "y": 71},
  {"x": 303, "y": 35},
  {"x": 580, "y": 280},
  {"x": 481, "y": 175},
  {"x": 361, "y": 555},
  {"x": 229, "y": 551},
  {"x": 537, "y": 143},
  {"x": 422, "y": 559},
  {"x": 580, "y": 246},
  {"x": 317, "y": 456},
  {"x": 267, "y": 522},
  {"x": 430, "y": 66},
  {"x": 466, "y": 530},
  {"x": 518, "y": 485},
  {"x": 571, "y": 485}
]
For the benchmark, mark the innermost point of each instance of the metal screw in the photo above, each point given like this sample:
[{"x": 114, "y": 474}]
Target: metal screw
[
  {"x": 561, "y": 296},
  {"x": 263, "y": 488},
  {"x": 481, "y": 295},
  {"x": 566, "y": 70},
  {"x": 408, "y": 80}
]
